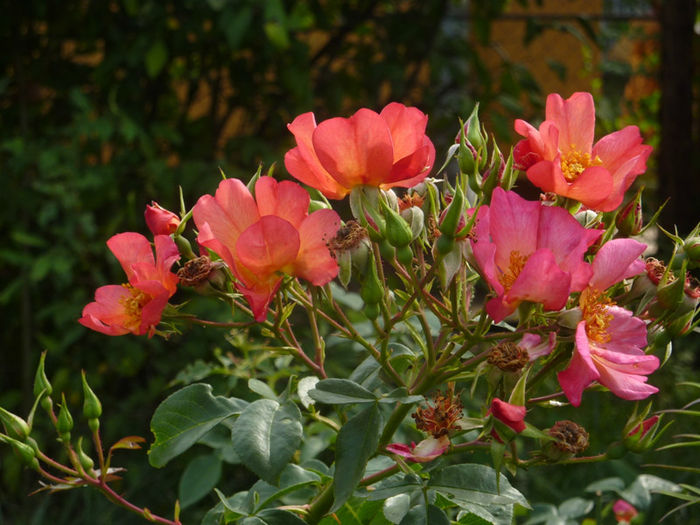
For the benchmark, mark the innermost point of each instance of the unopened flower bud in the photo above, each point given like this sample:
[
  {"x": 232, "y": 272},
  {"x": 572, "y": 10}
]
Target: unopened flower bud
[
  {"x": 398, "y": 232},
  {"x": 643, "y": 436},
  {"x": 64, "y": 424},
  {"x": 372, "y": 291},
  {"x": 691, "y": 247},
  {"x": 42, "y": 385},
  {"x": 15, "y": 427},
  {"x": 629, "y": 220},
  {"x": 508, "y": 357},
  {"x": 450, "y": 219},
  {"x": 494, "y": 174},
  {"x": 624, "y": 512},
  {"x": 85, "y": 461},
  {"x": 92, "y": 408},
  {"x": 569, "y": 439},
  {"x": 25, "y": 452},
  {"x": 159, "y": 220}
]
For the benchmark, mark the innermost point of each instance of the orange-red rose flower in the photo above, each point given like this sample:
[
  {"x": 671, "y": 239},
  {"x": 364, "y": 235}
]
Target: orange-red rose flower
[{"x": 384, "y": 150}]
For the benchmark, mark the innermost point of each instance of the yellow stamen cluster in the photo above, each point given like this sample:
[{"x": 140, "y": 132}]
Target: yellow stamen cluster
[
  {"x": 594, "y": 307},
  {"x": 574, "y": 162},
  {"x": 515, "y": 266},
  {"x": 133, "y": 305}
]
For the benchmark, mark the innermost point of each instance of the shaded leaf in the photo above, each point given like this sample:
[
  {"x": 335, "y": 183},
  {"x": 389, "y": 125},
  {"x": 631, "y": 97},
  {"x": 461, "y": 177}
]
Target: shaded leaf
[
  {"x": 356, "y": 443},
  {"x": 186, "y": 416},
  {"x": 266, "y": 435},
  {"x": 199, "y": 478}
]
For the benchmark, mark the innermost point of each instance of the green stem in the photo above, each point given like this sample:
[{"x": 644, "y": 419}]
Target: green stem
[{"x": 320, "y": 506}]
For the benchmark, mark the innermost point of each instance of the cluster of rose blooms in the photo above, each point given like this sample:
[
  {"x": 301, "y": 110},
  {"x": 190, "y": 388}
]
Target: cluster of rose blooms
[{"x": 527, "y": 252}]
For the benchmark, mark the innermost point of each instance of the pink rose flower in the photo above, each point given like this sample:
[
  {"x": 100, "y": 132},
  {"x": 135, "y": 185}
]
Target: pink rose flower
[
  {"x": 529, "y": 252},
  {"x": 609, "y": 340},
  {"x": 560, "y": 156}
]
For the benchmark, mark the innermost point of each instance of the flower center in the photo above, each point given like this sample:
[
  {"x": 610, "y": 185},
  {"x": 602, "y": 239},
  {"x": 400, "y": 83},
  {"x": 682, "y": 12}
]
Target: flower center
[
  {"x": 133, "y": 305},
  {"x": 594, "y": 308},
  {"x": 574, "y": 162},
  {"x": 515, "y": 266}
]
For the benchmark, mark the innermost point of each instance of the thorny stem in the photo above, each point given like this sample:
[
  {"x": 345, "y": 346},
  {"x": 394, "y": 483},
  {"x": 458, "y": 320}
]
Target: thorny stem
[{"x": 102, "y": 486}]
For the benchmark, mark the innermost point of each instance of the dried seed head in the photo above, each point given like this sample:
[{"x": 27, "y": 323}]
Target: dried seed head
[
  {"x": 569, "y": 437},
  {"x": 508, "y": 356},
  {"x": 441, "y": 417},
  {"x": 348, "y": 237},
  {"x": 196, "y": 271}
]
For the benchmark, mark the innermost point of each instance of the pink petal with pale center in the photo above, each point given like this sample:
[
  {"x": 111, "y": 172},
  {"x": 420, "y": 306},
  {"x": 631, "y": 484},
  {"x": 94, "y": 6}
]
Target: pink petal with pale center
[
  {"x": 575, "y": 120},
  {"x": 616, "y": 260}
]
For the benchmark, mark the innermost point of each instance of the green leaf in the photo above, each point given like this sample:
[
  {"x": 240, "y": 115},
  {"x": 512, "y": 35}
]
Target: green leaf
[
  {"x": 341, "y": 391},
  {"x": 401, "y": 484},
  {"x": 199, "y": 478},
  {"x": 396, "y": 507},
  {"x": 356, "y": 443},
  {"x": 575, "y": 508},
  {"x": 155, "y": 58},
  {"x": 278, "y": 517},
  {"x": 400, "y": 395},
  {"x": 261, "y": 388},
  {"x": 186, "y": 416},
  {"x": 606, "y": 485},
  {"x": 430, "y": 515},
  {"x": 293, "y": 478},
  {"x": 476, "y": 484},
  {"x": 266, "y": 435}
]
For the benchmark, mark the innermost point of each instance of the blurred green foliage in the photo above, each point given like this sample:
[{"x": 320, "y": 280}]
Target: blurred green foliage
[{"x": 107, "y": 105}]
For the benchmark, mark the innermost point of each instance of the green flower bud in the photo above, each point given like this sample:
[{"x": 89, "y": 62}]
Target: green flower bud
[
  {"x": 371, "y": 310},
  {"x": 415, "y": 217},
  {"x": 85, "y": 461},
  {"x": 691, "y": 247},
  {"x": 386, "y": 250},
  {"x": 404, "y": 255},
  {"x": 371, "y": 291},
  {"x": 444, "y": 244},
  {"x": 42, "y": 385},
  {"x": 92, "y": 408},
  {"x": 398, "y": 232},
  {"x": 25, "y": 452},
  {"x": 629, "y": 220},
  {"x": 15, "y": 426},
  {"x": 64, "y": 424},
  {"x": 450, "y": 221}
]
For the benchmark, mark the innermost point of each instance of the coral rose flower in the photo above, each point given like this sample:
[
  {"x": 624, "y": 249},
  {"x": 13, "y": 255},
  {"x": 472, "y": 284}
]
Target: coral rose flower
[
  {"x": 262, "y": 238},
  {"x": 609, "y": 340},
  {"x": 135, "y": 307},
  {"x": 383, "y": 150},
  {"x": 561, "y": 158},
  {"x": 529, "y": 252}
]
